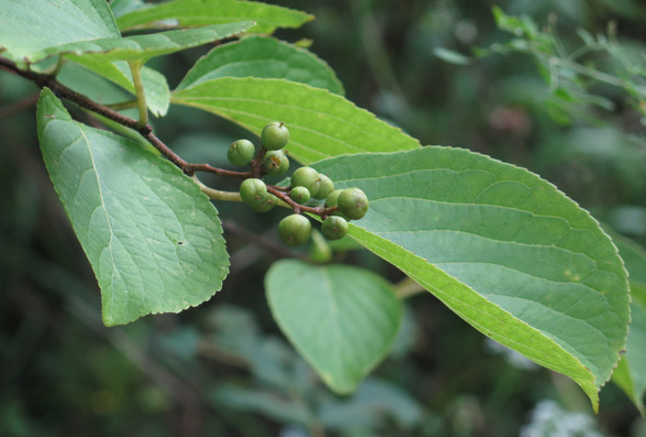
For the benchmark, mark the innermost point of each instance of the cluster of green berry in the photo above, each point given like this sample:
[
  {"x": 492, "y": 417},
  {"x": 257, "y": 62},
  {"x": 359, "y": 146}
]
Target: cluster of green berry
[{"x": 306, "y": 183}]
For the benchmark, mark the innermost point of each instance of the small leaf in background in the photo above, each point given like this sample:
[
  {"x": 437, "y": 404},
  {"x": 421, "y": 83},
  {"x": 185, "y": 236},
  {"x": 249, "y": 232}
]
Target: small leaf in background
[
  {"x": 342, "y": 319},
  {"x": 502, "y": 248},
  {"x": 263, "y": 57},
  {"x": 280, "y": 408},
  {"x": 320, "y": 124},
  {"x": 153, "y": 239},
  {"x": 373, "y": 400},
  {"x": 451, "y": 57},
  {"x": 196, "y": 13},
  {"x": 60, "y": 22}
]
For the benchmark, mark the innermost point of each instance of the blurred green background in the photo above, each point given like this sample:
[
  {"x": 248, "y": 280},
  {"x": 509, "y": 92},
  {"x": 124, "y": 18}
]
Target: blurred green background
[{"x": 223, "y": 369}]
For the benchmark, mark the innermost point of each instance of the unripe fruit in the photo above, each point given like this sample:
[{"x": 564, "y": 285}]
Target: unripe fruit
[
  {"x": 252, "y": 190},
  {"x": 326, "y": 186},
  {"x": 307, "y": 177},
  {"x": 241, "y": 152},
  {"x": 333, "y": 198},
  {"x": 275, "y": 163},
  {"x": 274, "y": 136},
  {"x": 334, "y": 227},
  {"x": 294, "y": 229},
  {"x": 300, "y": 195},
  {"x": 353, "y": 203},
  {"x": 266, "y": 203}
]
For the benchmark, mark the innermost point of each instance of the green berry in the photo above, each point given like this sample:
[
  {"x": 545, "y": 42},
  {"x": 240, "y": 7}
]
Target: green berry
[
  {"x": 275, "y": 163},
  {"x": 333, "y": 198},
  {"x": 334, "y": 227},
  {"x": 353, "y": 203},
  {"x": 254, "y": 193},
  {"x": 307, "y": 177},
  {"x": 241, "y": 152},
  {"x": 264, "y": 204},
  {"x": 252, "y": 190},
  {"x": 326, "y": 186},
  {"x": 300, "y": 195},
  {"x": 295, "y": 229},
  {"x": 274, "y": 136}
]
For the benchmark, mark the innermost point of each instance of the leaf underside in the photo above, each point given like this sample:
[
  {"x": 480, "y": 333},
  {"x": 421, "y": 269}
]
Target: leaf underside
[{"x": 342, "y": 319}]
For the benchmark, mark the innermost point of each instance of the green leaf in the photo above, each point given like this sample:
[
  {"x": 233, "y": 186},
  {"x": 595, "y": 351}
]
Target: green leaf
[
  {"x": 93, "y": 86},
  {"x": 450, "y": 56},
  {"x": 155, "y": 85},
  {"x": 320, "y": 124},
  {"x": 153, "y": 240},
  {"x": 143, "y": 47},
  {"x": 634, "y": 257},
  {"x": 122, "y": 7},
  {"x": 502, "y": 248},
  {"x": 264, "y": 58},
  {"x": 342, "y": 319},
  {"x": 630, "y": 374},
  {"x": 29, "y": 27},
  {"x": 196, "y": 13},
  {"x": 374, "y": 401}
]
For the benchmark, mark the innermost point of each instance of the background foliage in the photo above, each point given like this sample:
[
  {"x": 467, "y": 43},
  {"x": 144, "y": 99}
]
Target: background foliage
[{"x": 223, "y": 368}]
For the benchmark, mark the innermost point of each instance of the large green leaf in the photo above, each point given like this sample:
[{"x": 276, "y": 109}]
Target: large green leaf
[
  {"x": 196, "y": 13},
  {"x": 320, "y": 124},
  {"x": 143, "y": 47},
  {"x": 502, "y": 248},
  {"x": 153, "y": 240},
  {"x": 342, "y": 319},
  {"x": 265, "y": 58},
  {"x": 27, "y": 27},
  {"x": 631, "y": 372}
]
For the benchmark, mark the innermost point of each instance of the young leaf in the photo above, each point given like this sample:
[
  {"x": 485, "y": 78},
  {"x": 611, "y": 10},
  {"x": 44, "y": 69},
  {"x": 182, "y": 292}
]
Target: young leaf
[
  {"x": 143, "y": 47},
  {"x": 153, "y": 240},
  {"x": 263, "y": 57},
  {"x": 320, "y": 124},
  {"x": 155, "y": 85},
  {"x": 29, "y": 27},
  {"x": 342, "y": 319},
  {"x": 502, "y": 248},
  {"x": 196, "y": 13}
]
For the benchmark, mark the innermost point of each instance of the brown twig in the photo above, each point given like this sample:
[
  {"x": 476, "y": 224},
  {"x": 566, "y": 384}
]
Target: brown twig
[
  {"x": 60, "y": 90},
  {"x": 256, "y": 165}
]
